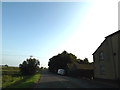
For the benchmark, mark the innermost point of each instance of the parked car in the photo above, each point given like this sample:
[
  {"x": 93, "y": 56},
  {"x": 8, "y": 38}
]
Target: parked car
[{"x": 61, "y": 72}]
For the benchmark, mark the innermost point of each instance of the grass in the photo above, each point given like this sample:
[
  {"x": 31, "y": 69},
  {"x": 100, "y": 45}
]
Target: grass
[
  {"x": 10, "y": 75},
  {"x": 8, "y": 80},
  {"x": 11, "y": 78},
  {"x": 29, "y": 82}
]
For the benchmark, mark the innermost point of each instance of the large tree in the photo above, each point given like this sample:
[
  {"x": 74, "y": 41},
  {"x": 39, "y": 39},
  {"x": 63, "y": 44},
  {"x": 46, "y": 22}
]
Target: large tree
[
  {"x": 30, "y": 66},
  {"x": 61, "y": 61}
]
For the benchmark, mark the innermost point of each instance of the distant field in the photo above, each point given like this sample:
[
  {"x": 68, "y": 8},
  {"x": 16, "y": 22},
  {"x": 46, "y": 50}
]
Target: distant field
[
  {"x": 11, "y": 78},
  {"x": 10, "y": 75}
]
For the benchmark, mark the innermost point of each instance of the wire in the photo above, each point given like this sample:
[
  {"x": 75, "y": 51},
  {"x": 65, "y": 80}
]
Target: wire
[{"x": 22, "y": 55}]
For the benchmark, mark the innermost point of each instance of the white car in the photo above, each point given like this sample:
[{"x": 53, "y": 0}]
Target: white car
[{"x": 61, "y": 71}]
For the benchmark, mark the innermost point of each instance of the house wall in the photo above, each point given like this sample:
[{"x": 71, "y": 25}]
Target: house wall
[
  {"x": 107, "y": 63},
  {"x": 119, "y": 56},
  {"x": 115, "y": 50},
  {"x": 111, "y": 63}
]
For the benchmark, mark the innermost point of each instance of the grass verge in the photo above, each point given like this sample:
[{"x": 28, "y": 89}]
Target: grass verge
[
  {"x": 29, "y": 82},
  {"x": 9, "y": 80}
]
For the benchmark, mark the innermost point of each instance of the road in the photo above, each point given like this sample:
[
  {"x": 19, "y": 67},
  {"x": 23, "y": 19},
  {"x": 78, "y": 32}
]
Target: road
[{"x": 50, "y": 80}]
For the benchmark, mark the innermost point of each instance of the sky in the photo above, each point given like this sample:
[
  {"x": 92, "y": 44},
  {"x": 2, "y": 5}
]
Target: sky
[{"x": 44, "y": 29}]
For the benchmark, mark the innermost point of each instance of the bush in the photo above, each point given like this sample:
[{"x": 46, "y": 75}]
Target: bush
[
  {"x": 30, "y": 66},
  {"x": 85, "y": 73}
]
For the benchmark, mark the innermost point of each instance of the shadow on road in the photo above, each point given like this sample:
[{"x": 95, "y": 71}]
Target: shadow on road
[{"x": 51, "y": 80}]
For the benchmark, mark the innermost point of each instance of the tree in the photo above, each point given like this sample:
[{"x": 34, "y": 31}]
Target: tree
[
  {"x": 30, "y": 66},
  {"x": 80, "y": 61},
  {"x": 86, "y": 61},
  {"x": 6, "y": 65},
  {"x": 61, "y": 61}
]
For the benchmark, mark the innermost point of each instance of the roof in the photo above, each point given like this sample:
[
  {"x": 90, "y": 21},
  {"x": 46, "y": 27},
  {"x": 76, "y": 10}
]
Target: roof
[
  {"x": 113, "y": 34},
  {"x": 99, "y": 46},
  {"x": 106, "y": 38},
  {"x": 84, "y": 66}
]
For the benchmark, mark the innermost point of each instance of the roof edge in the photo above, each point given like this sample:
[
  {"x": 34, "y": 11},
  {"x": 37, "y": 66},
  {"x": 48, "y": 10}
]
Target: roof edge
[
  {"x": 106, "y": 38},
  {"x": 113, "y": 34},
  {"x": 99, "y": 46}
]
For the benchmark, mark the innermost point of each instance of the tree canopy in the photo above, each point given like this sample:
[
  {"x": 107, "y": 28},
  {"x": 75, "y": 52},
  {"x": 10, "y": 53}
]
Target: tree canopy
[
  {"x": 29, "y": 66},
  {"x": 63, "y": 59}
]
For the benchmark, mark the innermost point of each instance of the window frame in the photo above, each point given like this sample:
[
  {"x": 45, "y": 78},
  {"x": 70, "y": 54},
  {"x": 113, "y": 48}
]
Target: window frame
[
  {"x": 102, "y": 69},
  {"x": 101, "y": 56}
]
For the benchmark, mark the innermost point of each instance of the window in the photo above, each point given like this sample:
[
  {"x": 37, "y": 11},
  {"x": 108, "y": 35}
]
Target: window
[
  {"x": 101, "y": 69},
  {"x": 101, "y": 56}
]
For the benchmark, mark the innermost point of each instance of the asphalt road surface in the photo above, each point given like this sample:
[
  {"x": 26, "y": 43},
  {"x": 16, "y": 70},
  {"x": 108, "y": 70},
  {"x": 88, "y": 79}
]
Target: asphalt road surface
[{"x": 50, "y": 80}]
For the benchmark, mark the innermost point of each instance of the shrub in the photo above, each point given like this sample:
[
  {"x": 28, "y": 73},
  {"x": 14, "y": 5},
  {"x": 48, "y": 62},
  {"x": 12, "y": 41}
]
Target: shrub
[{"x": 30, "y": 66}]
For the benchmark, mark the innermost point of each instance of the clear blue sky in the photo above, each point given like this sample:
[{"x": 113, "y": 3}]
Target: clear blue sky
[
  {"x": 42, "y": 29},
  {"x": 37, "y": 28}
]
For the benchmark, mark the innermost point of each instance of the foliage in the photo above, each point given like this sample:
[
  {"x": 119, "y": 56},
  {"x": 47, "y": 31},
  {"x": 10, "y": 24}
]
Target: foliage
[
  {"x": 6, "y": 65},
  {"x": 10, "y": 75},
  {"x": 61, "y": 61},
  {"x": 11, "y": 78},
  {"x": 8, "y": 80},
  {"x": 12, "y": 71},
  {"x": 29, "y": 81},
  {"x": 84, "y": 61},
  {"x": 83, "y": 73},
  {"x": 68, "y": 62},
  {"x": 10, "y": 68},
  {"x": 30, "y": 66}
]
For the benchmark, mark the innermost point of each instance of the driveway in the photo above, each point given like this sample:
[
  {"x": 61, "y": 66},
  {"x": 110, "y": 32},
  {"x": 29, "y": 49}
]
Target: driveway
[{"x": 50, "y": 80}]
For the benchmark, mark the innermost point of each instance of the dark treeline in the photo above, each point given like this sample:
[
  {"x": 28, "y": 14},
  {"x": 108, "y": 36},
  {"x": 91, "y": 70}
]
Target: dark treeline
[
  {"x": 63, "y": 60},
  {"x": 60, "y": 61}
]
